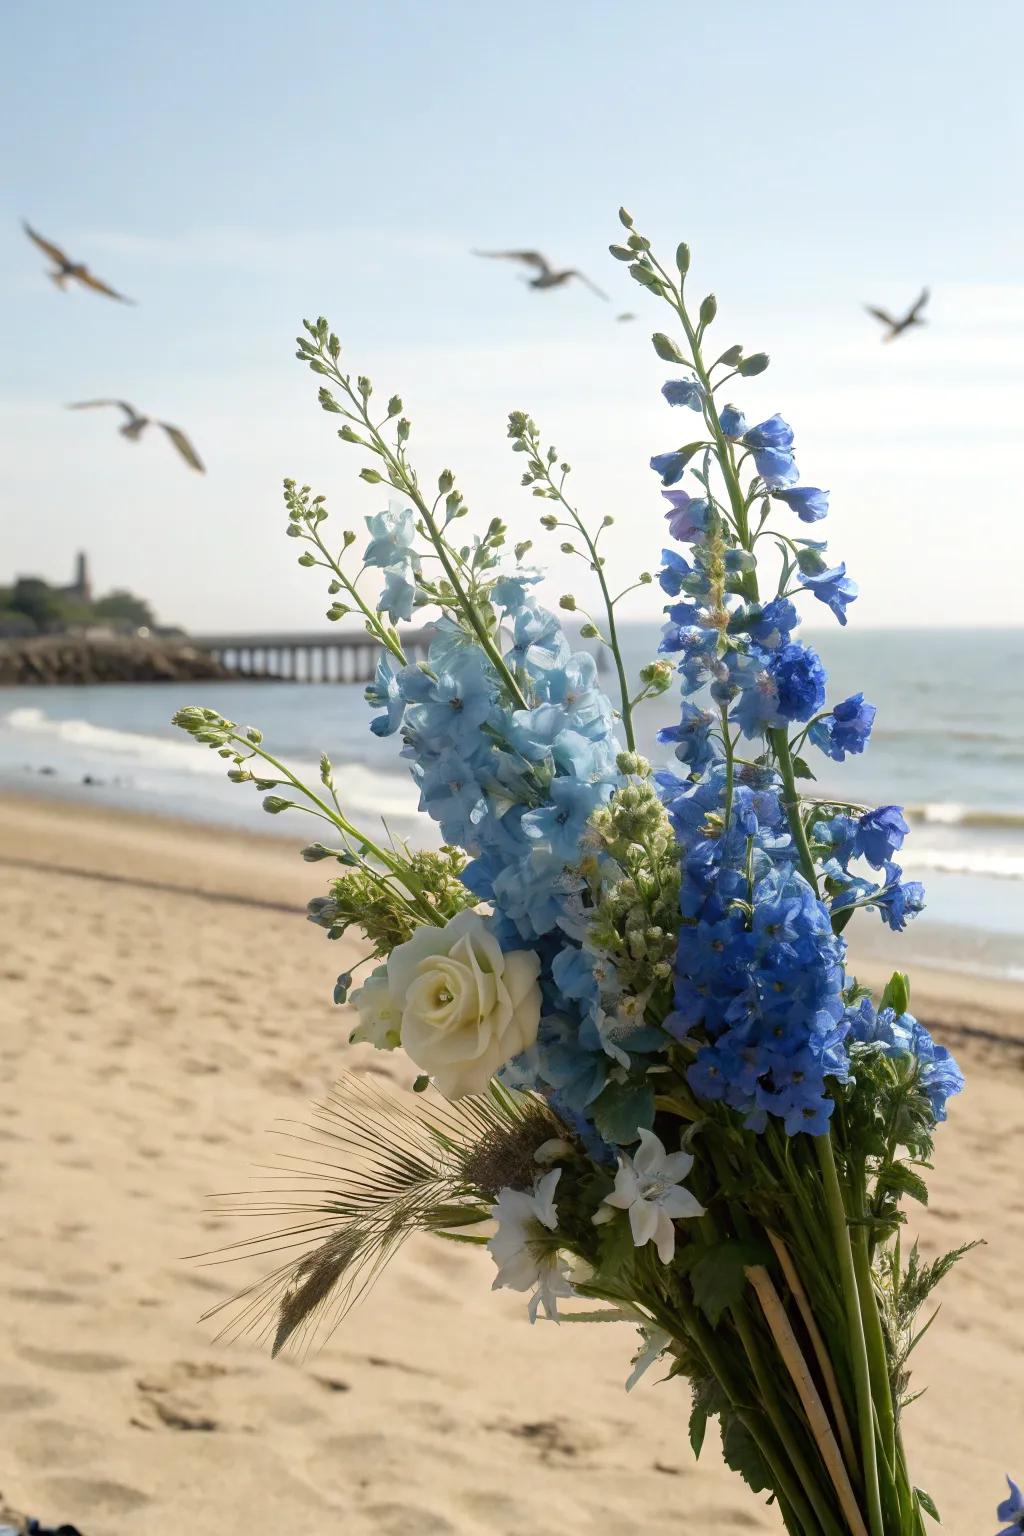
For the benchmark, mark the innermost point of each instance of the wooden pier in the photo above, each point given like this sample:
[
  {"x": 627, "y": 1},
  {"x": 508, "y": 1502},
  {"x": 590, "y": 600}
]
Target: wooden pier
[{"x": 347, "y": 656}]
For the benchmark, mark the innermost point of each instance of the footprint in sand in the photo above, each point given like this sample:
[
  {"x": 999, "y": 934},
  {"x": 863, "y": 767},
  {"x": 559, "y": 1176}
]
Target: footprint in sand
[
  {"x": 407, "y": 1520},
  {"x": 89, "y": 1496},
  {"x": 21, "y": 1399},
  {"x": 42, "y": 1296},
  {"x": 54, "y": 1442},
  {"x": 85, "y": 1361}
]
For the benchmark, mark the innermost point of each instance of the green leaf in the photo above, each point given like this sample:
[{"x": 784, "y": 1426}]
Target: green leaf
[
  {"x": 927, "y": 1503},
  {"x": 741, "y": 1453},
  {"x": 698, "y": 1427},
  {"x": 801, "y": 769},
  {"x": 421, "y": 1084},
  {"x": 719, "y": 1276},
  {"x": 617, "y": 1252},
  {"x": 622, "y": 1110}
]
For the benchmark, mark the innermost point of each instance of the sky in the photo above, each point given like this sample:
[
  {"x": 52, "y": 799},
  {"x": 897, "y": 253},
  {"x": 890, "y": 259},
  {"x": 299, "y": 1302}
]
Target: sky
[{"x": 236, "y": 167}]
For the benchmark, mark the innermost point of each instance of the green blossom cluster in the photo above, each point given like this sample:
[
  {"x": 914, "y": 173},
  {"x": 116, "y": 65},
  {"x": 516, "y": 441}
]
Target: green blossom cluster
[
  {"x": 361, "y": 899},
  {"x": 636, "y": 920}
]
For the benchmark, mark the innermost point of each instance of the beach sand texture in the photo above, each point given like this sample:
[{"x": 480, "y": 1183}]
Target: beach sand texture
[{"x": 162, "y": 1006}]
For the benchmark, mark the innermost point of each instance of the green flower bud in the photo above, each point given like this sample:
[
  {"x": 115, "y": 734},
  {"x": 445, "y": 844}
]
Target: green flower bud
[
  {"x": 683, "y": 259},
  {"x": 568, "y": 602},
  {"x": 751, "y": 366},
  {"x": 708, "y": 309},
  {"x": 666, "y": 348}
]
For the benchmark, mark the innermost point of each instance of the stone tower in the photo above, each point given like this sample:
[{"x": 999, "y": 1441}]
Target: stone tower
[{"x": 81, "y": 587}]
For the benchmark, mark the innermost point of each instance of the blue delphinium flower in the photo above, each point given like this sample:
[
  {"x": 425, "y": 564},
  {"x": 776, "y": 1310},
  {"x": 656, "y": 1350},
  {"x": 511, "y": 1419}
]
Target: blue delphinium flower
[
  {"x": 799, "y": 679},
  {"x": 670, "y": 466},
  {"x": 846, "y": 729},
  {"x": 901, "y": 1035},
  {"x": 772, "y": 626},
  {"x": 392, "y": 535},
  {"x": 770, "y": 443},
  {"x": 510, "y": 591},
  {"x": 898, "y": 899},
  {"x": 808, "y": 502},
  {"x": 880, "y": 835},
  {"x": 733, "y": 421},
  {"x": 385, "y": 693},
  {"x": 689, "y": 516},
  {"x": 674, "y": 570},
  {"x": 398, "y": 597},
  {"x": 834, "y": 588},
  {"x": 684, "y": 392},
  {"x": 1011, "y": 1509}
]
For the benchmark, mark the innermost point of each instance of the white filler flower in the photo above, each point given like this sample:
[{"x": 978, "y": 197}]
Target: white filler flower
[
  {"x": 467, "y": 1007},
  {"x": 380, "y": 1016},
  {"x": 523, "y": 1249},
  {"x": 649, "y": 1186}
]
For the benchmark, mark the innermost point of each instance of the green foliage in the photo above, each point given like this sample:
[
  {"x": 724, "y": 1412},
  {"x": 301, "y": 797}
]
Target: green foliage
[
  {"x": 741, "y": 1453},
  {"x": 903, "y": 1293},
  {"x": 621, "y": 1109},
  {"x": 719, "y": 1276},
  {"x": 32, "y": 605}
]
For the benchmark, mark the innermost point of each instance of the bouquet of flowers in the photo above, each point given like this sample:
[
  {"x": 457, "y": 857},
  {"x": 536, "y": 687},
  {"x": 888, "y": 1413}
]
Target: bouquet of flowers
[{"x": 645, "y": 1069}]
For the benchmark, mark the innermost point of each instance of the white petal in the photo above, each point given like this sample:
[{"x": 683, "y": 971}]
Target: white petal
[
  {"x": 677, "y": 1165},
  {"x": 626, "y": 1187},
  {"x": 665, "y": 1239},
  {"x": 643, "y": 1222},
  {"x": 651, "y": 1157},
  {"x": 679, "y": 1203},
  {"x": 544, "y": 1199}
]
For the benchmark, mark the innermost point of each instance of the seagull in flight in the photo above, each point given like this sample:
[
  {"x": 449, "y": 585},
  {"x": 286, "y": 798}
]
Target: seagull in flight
[
  {"x": 546, "y": 274},
  {"x": 136, "y": 424},
  {"x": 897, "y": 327},
  {"x": 66, "y": 268}
]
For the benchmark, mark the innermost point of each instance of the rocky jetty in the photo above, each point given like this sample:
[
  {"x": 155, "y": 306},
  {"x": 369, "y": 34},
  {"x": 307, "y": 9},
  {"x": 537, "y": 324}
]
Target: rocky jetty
[{"x": 70, "y": 658}]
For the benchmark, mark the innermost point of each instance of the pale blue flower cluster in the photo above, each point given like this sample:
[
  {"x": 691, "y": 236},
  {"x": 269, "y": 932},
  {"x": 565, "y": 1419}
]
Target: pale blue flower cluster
[{"x": 517, "y": 788}]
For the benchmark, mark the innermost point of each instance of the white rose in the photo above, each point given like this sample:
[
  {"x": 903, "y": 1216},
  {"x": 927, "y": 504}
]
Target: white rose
[
  {"x": 467, "y": 1007},
  {"x": 380, "y": 1016}
]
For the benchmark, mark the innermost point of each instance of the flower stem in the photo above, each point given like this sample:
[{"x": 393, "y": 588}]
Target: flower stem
[{"x": 855, "y": 1330}]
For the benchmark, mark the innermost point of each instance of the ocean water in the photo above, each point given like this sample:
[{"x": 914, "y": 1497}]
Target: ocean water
[{"x": 948, "y": 745}]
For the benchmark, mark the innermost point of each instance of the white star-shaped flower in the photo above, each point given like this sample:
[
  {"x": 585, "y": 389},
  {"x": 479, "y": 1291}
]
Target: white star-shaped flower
[
  {"x": 522, "y": 1247},
  {"x": 649, "y": 1186}
]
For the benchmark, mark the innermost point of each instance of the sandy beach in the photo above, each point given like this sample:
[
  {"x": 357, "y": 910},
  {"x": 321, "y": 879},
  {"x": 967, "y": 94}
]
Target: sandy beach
[{"x": 163, "y": 1004}]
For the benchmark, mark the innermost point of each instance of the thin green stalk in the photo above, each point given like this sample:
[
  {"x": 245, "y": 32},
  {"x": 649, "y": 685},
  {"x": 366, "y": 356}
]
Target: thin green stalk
[
  {"x": 340, "y": 820},
  {"x": 404, "y": 480},
  {"x": 778, "y": 1418},
  {"x": 609, "y": 607},
  {"x": 790, "y": 1483},
  {"x": 855, "y": 1330},
  {"x": 875, "y": 1339}
]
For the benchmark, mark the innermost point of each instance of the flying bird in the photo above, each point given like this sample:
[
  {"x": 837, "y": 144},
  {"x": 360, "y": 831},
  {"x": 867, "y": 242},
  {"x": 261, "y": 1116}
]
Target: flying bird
[
  {"x": 547, "y": 276},
  {"x": 136, "y": 424},
  {"x": 66, "y": 268},
  {"x": 897, "y": 327},
  {"x": 626, "y": 315}
]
